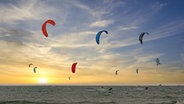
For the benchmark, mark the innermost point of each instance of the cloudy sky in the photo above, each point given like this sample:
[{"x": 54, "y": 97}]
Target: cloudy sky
[{"x": 72, "y": 39}]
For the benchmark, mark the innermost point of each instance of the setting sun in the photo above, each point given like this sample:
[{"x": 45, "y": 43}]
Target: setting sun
[{"x": 42, "y": 80}]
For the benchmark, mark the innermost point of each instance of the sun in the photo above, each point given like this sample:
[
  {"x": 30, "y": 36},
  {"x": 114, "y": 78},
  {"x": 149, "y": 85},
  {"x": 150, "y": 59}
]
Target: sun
[{"x": 42, "y": 80}]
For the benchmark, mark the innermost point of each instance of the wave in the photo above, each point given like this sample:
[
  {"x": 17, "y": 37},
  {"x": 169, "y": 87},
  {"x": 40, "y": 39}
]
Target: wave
[
  {"x": 36, "y": 102},
  {"x": 25, "y": 102}
]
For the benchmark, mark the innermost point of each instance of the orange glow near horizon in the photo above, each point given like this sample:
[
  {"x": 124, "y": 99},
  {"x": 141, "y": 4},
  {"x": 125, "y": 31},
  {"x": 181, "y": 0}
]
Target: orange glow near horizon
[{"x": 60, "y": 76}]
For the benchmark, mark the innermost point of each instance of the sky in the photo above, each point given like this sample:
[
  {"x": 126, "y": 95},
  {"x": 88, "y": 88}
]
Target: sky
[{"x": 72, "y": 40}]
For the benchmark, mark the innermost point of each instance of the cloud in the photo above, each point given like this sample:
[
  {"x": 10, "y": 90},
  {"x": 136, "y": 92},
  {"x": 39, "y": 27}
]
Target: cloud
[
  {"x": 99, "y": 11},
  {"x": 24, "y": 10},
  {"x": 92, "y": 12},
  {"x": 182, "y": 60},
  {"x": 75, "y": 38},
  {"x": 167, "y": 30},
  {"x": 157, "y": 6},
  {"x": 102, "y": 23},
  {"x": 11, "y": 32},
  {"x": 124, "y": 28}
]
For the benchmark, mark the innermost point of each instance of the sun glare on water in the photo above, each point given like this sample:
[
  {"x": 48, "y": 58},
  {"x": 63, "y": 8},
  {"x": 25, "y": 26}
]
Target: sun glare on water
[{"x": 42, "y": 80}]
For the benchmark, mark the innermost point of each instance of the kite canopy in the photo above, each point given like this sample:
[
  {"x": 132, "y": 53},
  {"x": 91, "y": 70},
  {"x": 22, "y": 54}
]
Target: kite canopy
[
  {"x": 73, "y": 67},
  {"x": 137, "y": 70},
  {"x": 44, "y": 29},
  {"x": 116, "y": 72},
  {"x": 141, "y": 36},
  {"x": 30, "y": 65},
  {"x": 34, "y": 69},
  {"x": 158, "y": 61},
  {"x": 98, "y": 36}
]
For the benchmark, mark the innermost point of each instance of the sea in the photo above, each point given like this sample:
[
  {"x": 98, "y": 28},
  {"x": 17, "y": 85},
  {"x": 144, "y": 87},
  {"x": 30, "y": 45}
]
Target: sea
[{"x": 91, "y": 94}]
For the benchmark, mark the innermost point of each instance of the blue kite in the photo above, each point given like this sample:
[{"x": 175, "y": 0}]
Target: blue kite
[{"x": 98, "y": 36}]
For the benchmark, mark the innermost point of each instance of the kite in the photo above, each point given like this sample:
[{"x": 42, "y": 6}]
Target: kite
[
  {"x": 141, "y": 36},
  {"x": 73, "y": 67},
  {"x": 98, "y": 36},
  {"x": 34, "y": 69},
  {"x": 44, "y": 29},
  {"x": 30, "y": 65},
  {"x": 116, "y": 72},
  {"x": 158, "y": 61}
]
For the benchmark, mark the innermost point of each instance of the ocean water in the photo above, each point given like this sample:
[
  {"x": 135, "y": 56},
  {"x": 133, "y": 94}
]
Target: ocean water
[{"x": 91, "y": 95}]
